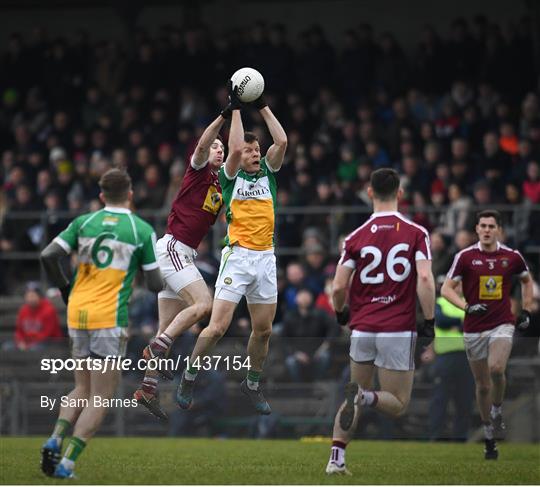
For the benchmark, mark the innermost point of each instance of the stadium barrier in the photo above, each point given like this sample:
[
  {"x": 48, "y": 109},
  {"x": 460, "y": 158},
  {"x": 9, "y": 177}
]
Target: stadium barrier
[
  {"x": 332, "y": 222},
  {"x": 300, "y": 408}
]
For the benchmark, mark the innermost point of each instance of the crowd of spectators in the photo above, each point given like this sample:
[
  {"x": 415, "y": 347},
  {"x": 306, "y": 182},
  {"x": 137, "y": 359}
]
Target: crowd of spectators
[{"x": 458, "y": 117}]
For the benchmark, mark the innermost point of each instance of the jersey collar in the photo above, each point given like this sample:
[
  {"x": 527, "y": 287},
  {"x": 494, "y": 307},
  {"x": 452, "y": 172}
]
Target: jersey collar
[
  {"x": 116, "y": 209},
  {"x": 385, "y": 213},
  {"x": 479, "y": 247}
]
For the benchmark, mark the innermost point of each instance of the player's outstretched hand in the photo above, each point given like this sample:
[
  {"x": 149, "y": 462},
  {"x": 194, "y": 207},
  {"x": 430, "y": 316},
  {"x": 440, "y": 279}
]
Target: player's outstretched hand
[
  {"x": 234, "y": 101},
  {"x": 427, "y": 332},
  {"x": 476, "y": 309},
  {"x": 343, "y": 316},
  {"x": 524, "y": 320},
  {"x": 260, "y": 102}
]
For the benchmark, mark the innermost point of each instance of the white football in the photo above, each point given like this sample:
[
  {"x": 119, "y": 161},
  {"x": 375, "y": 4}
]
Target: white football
[{"x": 250, "y": 84}]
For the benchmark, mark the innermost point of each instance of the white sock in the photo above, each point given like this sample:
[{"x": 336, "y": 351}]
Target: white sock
[
  {"x": 337, "y": 455},
  {"x": 368, "y": 398},
  {"x": 496, "y": 410},
  {"x": 67, "y": 463},
  {"x": 488, "y": 431},
  {"x": 252, "y": 384},
  {"x": 189, "y": 376},
  {"x": 57, "y": 438}
]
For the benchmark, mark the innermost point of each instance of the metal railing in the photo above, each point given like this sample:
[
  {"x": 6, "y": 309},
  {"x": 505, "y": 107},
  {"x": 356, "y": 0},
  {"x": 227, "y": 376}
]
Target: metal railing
[{"x": 337, "y": 222}]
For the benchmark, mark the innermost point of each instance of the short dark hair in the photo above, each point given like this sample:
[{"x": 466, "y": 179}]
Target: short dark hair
[
  {"x": 489, "y": 214},
  {"x": 115, "y": 185},
  {"x": 250, "y": 137},
  {"x": 385, "y": 183}
]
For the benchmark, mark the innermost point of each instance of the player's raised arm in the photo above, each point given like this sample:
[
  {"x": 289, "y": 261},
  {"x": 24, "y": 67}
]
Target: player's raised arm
[
  {"x": 276, "y": 152},
  {"x": 208, "y": 137},
  {"x": 236, "y": 144}
]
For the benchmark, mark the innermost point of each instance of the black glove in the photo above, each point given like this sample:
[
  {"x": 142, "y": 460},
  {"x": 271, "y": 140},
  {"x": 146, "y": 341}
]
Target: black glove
[
  {"x": 476, "y": 309},
  {"x": 65, "y": 294},
  {"x": 427, "y": 332},
  {"x": 523, "y": 320},
  {"x": 226, "y": 113},
  {"x": 260, "y": 103},
  {"x": 234, "y": 101},
  {"x": 343, "y": 316}
]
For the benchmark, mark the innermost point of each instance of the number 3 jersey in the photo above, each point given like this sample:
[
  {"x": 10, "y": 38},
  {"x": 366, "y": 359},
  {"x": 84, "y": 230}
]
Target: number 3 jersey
[
  {"x": 487, "y": 278},
  {"x": 111, "y": 244},
  {"x": 384, "y": 251}
]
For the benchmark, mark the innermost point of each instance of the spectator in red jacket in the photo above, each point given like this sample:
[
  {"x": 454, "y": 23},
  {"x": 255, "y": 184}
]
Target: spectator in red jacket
[
  {"x": 37, "y": 320},
  {"x": 531, "y": 186}
]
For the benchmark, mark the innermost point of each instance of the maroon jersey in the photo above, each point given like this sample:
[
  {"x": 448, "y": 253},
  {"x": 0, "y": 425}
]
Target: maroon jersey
[
  {"x": 196, "y": 206},
  {"x": 384, "y": 251},
  {"x": 486, "y": 278}
]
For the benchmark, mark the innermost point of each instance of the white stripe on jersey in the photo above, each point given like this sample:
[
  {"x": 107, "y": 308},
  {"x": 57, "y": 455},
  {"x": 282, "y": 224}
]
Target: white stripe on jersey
[
  {"x": 450, "y": 273},
  {"x": 524, "y": 273},
  {"x": 418, "y": 255},
  {"x": 350, "y": 263},
  {"x": 420, "y": 227}
]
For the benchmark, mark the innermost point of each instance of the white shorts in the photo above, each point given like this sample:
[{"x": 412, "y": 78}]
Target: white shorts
[
  {"x": 249, "y": 273},
  {"x": 176, "y": 263},
  {"x": 388, "y": 350},
  {"x": 105, "y": 342},
  {"x": 477, "y": 344}
]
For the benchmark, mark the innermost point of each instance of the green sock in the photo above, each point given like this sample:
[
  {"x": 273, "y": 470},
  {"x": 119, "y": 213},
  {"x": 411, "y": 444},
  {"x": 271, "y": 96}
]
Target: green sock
[
  {"x": 74, "y": 449},
  {"x": 253, "y": 378},
  {"x": 60, "y": 429}
]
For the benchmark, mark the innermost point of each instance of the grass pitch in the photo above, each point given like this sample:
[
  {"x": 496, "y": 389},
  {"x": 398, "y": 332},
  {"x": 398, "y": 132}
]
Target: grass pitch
[{"x": 201, "y": 461}]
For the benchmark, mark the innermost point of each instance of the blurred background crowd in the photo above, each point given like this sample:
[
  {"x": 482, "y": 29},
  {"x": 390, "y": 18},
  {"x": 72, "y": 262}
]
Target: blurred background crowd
[{"x": 458, "y": 116}]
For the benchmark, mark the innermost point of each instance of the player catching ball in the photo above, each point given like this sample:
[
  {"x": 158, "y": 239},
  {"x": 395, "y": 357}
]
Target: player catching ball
[
  {"x": 248, "y": 263},
  {"x": 485, "y": 270},
  {"x": 385, "y": 264},
  {"x": 185, "y": 299}
]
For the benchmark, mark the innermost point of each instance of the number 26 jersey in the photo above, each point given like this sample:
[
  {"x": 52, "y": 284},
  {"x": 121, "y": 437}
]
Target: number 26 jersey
[
  {"x": 383, "y": 252},
  {"x": 112, "y": 244}
]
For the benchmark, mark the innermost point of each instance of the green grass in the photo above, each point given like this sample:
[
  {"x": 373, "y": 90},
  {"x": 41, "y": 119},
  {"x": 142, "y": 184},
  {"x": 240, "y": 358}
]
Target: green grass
[{"x": 200, "y": 461}]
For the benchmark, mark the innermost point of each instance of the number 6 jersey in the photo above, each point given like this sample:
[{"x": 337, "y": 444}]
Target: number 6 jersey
[
  {"x": 111, "y": 244},
  {"x": 383, "y": 251}
]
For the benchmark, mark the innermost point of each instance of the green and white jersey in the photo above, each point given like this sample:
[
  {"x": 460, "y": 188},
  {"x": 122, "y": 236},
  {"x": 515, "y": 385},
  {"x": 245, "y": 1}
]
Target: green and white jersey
[
  {"x": 250, "y": 200},
  {"x": 112, "y": 244}
]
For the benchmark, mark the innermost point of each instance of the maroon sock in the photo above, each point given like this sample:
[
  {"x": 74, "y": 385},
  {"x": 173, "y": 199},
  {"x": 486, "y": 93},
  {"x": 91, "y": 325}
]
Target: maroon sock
[
  {"x": 339, "y": 444},
  {"x": 149, "y": 385},
  {"x": 161, "y": 343}
]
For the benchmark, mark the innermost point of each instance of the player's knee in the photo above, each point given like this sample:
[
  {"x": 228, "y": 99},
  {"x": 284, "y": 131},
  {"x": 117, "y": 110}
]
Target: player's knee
[
  {"x": 81, "y": 392},
  {"x": 483, "y": 388},
  {"x": 403, "y": 408},
  {"x": 203, "y": 309},
  {"x": 216, "y": 330},
  {"x": 263, "y": 333},
  {"x": 496, "y": 371}
]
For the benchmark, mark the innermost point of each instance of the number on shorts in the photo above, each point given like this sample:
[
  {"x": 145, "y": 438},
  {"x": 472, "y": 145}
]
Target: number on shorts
[{"x": 392, "y": 260}]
